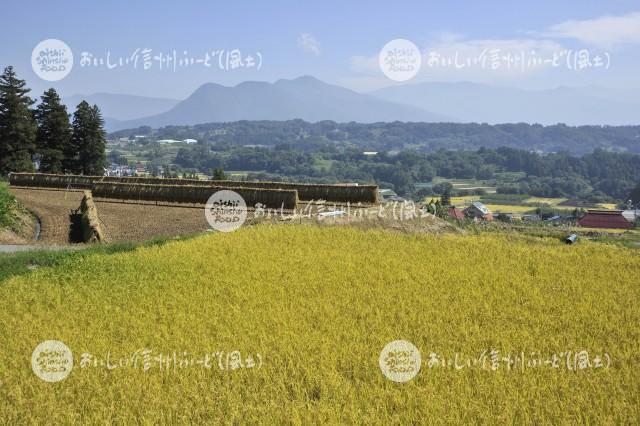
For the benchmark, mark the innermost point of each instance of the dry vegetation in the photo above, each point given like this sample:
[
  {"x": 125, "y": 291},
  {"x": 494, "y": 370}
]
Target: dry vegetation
[
  {"x": 306, "y": 192},
  {"x": 271, "y": 198},
  {"x": 91, "y": 227}
]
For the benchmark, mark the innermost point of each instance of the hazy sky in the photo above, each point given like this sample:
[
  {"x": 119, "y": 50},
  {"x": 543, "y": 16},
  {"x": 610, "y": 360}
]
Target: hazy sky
[{"x": 336, "y": 41}]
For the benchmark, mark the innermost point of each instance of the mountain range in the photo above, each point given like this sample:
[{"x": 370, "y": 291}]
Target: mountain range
[
  {"x": 305, "y": 97},
  {"x": 312, "y": 100},
  {"x": 479, "y": 103},
  {"x": 117, "y": 107}
]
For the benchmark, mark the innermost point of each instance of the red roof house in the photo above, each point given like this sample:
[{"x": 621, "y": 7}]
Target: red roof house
[
  {"x": 477, "y": 210},
  {"x": 455, "y": 213},
  {"x": 605, "y": 219}
]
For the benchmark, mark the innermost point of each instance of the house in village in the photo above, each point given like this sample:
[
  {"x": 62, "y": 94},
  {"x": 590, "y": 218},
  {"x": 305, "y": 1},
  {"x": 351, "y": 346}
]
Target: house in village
[
  {"x": 388, "y": 195},
  {"x": 455, "y": 213},
  {"x": 611, "y": 219},
  {"x": 478, "y": 211},
  {"x": 531, "y": 218},
  {"x": 631, "y": 215}
]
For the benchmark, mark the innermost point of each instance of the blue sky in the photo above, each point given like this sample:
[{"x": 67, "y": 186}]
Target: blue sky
[{"x": 336, "y": 41}]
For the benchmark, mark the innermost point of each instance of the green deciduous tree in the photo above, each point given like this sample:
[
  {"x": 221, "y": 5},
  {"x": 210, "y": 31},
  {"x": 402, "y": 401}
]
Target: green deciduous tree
[
  {"x": 17, "y": 125},
  {"x": 218, "y": 174},
  {"x": 54, "y": 132}
]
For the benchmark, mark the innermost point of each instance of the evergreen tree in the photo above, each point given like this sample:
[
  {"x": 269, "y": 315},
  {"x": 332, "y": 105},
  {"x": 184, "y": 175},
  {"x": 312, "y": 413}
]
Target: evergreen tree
[
  {"x": 445, "y": 198},
  {"x": 79, "y": 134},
  {"x": 54, "y": 132},
  {"x": 94, "y": 154},
  {"x": 85, "y": 154},
  {"x": 17, "y": 125}
]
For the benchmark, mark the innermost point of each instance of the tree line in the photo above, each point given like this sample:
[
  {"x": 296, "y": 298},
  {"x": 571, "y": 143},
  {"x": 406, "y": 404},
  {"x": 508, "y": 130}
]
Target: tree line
[
  {"x": 397, "y": 136},
  {"x": 600, "y": 176},
  {"x": 45, "y": 135}
]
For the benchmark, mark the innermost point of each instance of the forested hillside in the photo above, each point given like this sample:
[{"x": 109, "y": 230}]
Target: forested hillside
[{"x": 396, "y": 136}]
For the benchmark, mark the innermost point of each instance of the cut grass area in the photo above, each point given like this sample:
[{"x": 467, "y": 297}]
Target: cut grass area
[
  {"x": 319, "y": 304},
  {"x": 23, "y": 262}
]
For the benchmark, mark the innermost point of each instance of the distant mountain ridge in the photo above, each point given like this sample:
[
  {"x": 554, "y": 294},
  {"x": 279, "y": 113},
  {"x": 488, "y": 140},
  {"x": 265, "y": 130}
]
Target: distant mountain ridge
[
  {"x": 312, "y": 100},
  {"x": 118, "y": 107},
  {"x": 305, "y": 98},
  {"x": 480, "y": 103}
]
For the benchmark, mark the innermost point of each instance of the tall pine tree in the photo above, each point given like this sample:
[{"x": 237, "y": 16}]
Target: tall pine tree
[
  {"x": 17, "y": 125},
  {"x": 85, "y": 154},
  {"x": 54, "y": 132},
  {"x": 445, "y": 198}
]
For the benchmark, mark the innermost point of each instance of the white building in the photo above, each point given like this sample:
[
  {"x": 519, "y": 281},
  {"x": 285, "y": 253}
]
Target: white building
[{"x": 631, "y": 215}]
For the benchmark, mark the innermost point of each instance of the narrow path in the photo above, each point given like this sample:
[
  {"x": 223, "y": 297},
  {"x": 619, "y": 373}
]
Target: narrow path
[{"x": 14, "y": 248}]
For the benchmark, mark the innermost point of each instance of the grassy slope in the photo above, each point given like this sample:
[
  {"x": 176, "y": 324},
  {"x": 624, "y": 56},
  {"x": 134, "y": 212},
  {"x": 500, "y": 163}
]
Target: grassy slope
[
  {"x": 8, "y": 207},
  {"x": 22, "y": 262},
  {"x": 17, "y": 225},
  {"x": 319, "y": 304}
]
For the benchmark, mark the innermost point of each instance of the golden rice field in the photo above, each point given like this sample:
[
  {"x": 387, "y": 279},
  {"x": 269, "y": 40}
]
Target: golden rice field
[
  {"x": 318, "y": 304},
  {"x": 608, "y": 206},
  {"x": 552, "y": 202},
  {"x": 508, "y": 208}
]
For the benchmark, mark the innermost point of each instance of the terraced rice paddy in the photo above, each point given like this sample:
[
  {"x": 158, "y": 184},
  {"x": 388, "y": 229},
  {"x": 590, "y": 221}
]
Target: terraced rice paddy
[{"x": 318, "y": 305}]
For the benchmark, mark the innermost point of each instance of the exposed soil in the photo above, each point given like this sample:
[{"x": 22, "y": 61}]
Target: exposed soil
[
  {"x": 139, "y": 222},
  {"x": 54, "y": 209}
]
